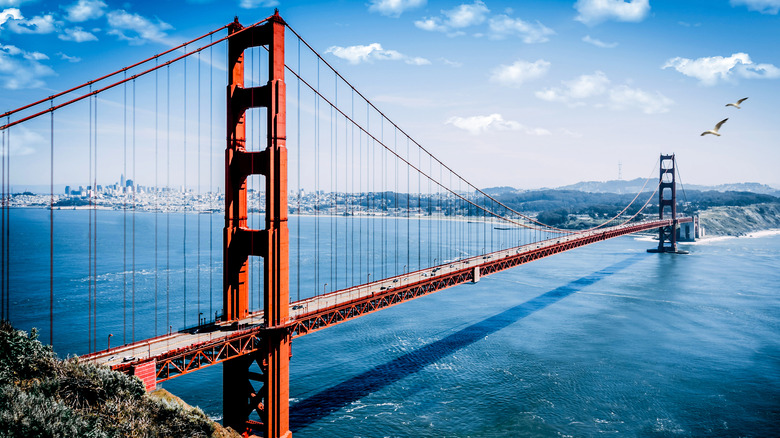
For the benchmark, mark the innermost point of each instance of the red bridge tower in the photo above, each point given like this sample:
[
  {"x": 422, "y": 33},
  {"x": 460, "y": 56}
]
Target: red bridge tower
[{"x": 240, "y": 395}]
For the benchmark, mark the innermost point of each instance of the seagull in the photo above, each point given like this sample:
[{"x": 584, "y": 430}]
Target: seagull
[
  {"x": 715, "y": 131},
  {"x": 736, "y": 105}
]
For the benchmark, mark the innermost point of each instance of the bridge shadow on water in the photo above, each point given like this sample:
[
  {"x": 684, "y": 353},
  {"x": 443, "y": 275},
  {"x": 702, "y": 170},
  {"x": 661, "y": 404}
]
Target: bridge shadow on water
[{"x": 324, "y": 403}]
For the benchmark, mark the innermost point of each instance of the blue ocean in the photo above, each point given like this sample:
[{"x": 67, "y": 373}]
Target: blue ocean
[{"x": 602, "y": 340}]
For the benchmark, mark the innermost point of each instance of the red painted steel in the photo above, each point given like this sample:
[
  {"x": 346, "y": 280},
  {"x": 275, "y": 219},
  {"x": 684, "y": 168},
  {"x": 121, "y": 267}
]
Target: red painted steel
[
  {"x": 272, "y": 243},
  {"x": 147, "y": 372}
]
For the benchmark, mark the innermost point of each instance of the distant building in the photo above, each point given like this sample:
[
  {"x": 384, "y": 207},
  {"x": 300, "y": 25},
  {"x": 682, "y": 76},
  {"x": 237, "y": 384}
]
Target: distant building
[{"x": 67, "y": 190}]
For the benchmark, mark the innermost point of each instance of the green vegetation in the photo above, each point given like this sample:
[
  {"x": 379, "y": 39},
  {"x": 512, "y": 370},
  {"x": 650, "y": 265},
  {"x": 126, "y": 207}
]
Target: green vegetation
[{"x": 42, "y": 396}]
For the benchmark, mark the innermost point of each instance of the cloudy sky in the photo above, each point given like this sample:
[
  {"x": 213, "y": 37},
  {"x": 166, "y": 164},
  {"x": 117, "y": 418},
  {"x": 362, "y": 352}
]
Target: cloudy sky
[{"x": 527, "y": 94}]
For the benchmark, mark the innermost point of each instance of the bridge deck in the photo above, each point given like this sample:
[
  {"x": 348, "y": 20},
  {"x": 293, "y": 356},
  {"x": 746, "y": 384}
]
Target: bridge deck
[{"x": 188, "y": 350}]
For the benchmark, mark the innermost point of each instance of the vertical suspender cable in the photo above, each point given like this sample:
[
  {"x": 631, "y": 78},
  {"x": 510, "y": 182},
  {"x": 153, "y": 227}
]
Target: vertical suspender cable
[
  {"x": 197, "y": 262},
  {"x": 51, "y": 234},
  {"x": 352, "y": 186},
  {"x": 317, "y": 185},
  {"x": 334, "y": 214},
  {"x": 383, "y": 179},
  {"x": 298, "y": 218},
  {"x": 95, "y": 233},
  {"x": 124, "y": 213},
  {"x": 360, "y": 204},
  {"x": 347, "y": 207},
  {"x": 3, "y": 294},
  {"x": 184, "y": 195},
  {"x": 419, "y": 209},
  {"x": 332, "y": 242},
  {"x": 135, "y": 188},
  {"x": 395, "y": 201},
  {"x": 211, "y": 171},
  {"x": 89, "y": 233},
  {"x": 168, "y": 199},
  {"x": 8, "y": 224},
  {"x": 156, "y": 189}
]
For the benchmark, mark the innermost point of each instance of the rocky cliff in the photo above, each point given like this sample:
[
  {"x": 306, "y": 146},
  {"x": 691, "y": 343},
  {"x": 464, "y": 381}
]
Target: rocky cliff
[{"x": 735, "y": 221}]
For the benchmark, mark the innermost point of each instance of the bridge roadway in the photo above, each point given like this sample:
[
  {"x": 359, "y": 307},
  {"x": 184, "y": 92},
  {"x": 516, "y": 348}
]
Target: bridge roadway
[{"x": 191, "y": 349}]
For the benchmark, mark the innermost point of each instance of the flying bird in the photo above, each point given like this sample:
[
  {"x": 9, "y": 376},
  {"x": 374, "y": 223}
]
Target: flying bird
[
  {"x": 736, "y": 105},
  {"x": 715, "y": 131}
]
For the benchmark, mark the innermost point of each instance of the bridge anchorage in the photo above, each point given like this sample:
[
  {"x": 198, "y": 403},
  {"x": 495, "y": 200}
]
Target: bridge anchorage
[{"x": 254, "y": 344}]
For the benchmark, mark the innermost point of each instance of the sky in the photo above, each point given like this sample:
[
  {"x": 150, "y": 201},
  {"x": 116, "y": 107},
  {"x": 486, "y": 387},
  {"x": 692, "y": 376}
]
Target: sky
[{"x": 525, "y": 94}]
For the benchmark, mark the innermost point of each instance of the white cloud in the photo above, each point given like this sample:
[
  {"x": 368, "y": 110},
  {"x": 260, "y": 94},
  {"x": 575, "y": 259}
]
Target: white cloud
[
  {"x": 622, "y": 97},
  {"x": 417, "y": 61},
  {"x": 21, "y": 69},
  {"x": 135, "y": 28},
  {"x": 520, "y": 71},
  {"x": 573, "y": 91},
  {"x": 431, "y": 24},
  {"x": 394, "y": 8},
  {"x": 360, "y": 53},
  {"x": 763, "y": 6},
  {"x": 41, "y": 24},
  {"x": 252, "y": 4},
  {"x": 477, "y": 124},
  {"x": 593, "y": 12},
  {"x": 84, "y": 10},
  {"x": 10, "y": 13},
  {"x": 466, "y": 15},
  {"x": 451, "y": 63},
  {"x": 502, "y": 26},
  {"x": 68, "y": 58},
  {"x": 711, "y": 70},
  {"x": 76, "y": 34},
  {"x": 584, "y": 88},
  {"x": 35, "y": 56},
  {"x": 598, "y": 43},
  {"x": 372, "y": 52},
  {"x": 758, "y": 71},
  {"x": 494, "y": 122},
  {"x": 459, "y": 17}
]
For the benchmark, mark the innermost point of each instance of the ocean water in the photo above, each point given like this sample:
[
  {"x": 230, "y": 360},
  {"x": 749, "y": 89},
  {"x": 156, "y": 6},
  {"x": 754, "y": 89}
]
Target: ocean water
[{"x": 604, "y": 339}]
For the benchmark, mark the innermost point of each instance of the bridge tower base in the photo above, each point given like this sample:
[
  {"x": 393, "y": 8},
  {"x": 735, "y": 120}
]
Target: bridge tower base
[
  {"x": 667, "y": 202},
  {"x": 246, "y": 392}
]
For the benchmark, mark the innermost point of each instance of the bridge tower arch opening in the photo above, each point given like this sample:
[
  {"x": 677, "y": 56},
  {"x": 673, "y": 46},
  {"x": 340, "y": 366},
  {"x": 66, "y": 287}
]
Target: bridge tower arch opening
[{"x": 246, "y": 392}]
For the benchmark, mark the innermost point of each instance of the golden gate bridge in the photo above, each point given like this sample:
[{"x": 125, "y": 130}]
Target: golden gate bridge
[{"x": 299, "y": 138}]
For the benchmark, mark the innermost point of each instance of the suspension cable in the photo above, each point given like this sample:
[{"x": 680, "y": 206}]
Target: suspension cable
[
  {"x": 126, "y": 79},
  {"x": 122, "y": 70},
  {"x": 408, "y": 163}
]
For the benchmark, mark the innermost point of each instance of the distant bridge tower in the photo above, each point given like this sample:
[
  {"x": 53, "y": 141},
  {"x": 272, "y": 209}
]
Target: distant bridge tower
[
  {"x": 667, "y": 203},
  {"x": 245, "y": 391}
]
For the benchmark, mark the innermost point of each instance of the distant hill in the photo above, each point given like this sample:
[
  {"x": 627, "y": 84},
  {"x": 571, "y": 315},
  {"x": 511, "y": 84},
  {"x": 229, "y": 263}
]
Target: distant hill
[
  {"x": 633, "y": 186},
  {"x": 614, "y": 186},
  {"x": 751, "y": 187},
  {"x": 494, "y": 191}
]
